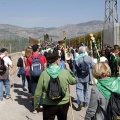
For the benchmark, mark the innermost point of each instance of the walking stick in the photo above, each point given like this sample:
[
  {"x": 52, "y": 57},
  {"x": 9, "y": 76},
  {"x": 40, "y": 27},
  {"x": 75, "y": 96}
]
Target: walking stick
[
  {"x": 91, "y": 48},
  {"x": 93, "y": 39},
  {"x": 71, "y": 103},
  {"x": 64, "y": 35}
]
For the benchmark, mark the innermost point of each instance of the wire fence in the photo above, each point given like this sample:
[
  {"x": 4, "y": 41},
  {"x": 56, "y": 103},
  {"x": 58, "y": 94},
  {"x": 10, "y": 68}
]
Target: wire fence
[{"x": 15, "y": 45}]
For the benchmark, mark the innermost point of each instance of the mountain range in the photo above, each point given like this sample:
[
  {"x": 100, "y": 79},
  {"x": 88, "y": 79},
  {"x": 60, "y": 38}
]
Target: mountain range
[{"x": 11, "y": 32}]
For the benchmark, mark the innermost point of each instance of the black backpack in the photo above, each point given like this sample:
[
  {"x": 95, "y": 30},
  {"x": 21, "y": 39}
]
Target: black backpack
[
  {"x": 54, "y": 91},
  {"x": 82, "y": 69},
  {"x": 2, "y": 66},
  {"x": 113, "y": 107}
]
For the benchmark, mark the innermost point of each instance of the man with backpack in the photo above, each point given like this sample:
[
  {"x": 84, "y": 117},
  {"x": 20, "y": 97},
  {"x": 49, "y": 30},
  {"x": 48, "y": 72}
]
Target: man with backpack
[
  {"x": 5, "y": 63},
  {"x": 53, "y": 82},
  {"x": 82, "y": 70},
  {"x": 37, "y": 64}
]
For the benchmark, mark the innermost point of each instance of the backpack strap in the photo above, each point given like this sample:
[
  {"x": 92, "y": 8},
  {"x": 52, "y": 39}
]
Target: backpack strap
[
  {"x": 34, "y": 57},
  {"x": 3, "y": 57},
  {"x": 99, "y": 104},
  {"x": 39, "y": 56},
  {"x": 103, "y": 111},
  {"x": 83, "y": 59}
]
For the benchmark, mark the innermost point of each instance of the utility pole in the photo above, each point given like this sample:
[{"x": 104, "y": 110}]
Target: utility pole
[
  {"x": 111, "y": 25},
  {"x": 111, "y": 11}
]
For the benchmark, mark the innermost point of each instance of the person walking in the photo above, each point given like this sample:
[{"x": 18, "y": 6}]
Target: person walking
[
  {"x": 114, "y": 61},
  {"x": 28, "y": 54},
  {"x": 69, "y": 58},
  {"x": 34, "y": 78},
  {"x": 82, "y": 70},
  {"x": 21, "y": 71},
  {"x": 50, "y": 107},
  {"x": 4, "y": 79},
  {"x": 101, "y": 93}
]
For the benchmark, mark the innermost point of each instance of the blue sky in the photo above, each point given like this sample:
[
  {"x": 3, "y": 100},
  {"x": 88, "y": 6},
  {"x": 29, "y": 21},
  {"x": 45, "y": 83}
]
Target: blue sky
[{"x": 51, "y": 13}]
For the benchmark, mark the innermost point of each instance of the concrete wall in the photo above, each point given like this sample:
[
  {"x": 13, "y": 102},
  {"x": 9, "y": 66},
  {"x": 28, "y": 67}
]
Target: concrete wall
[{"x": 111, "y": 34}]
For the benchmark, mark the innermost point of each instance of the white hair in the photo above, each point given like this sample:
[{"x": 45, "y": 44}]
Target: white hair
[{"x": 82, "y": 49}]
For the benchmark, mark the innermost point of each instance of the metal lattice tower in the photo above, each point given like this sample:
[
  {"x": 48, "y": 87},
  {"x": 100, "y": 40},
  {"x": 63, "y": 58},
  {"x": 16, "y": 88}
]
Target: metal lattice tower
[{"x": 111, "y": 11}]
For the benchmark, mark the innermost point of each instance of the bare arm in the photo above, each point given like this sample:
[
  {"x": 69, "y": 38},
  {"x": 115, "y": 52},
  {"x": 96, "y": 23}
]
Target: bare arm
[
  {"x": 45, "y": 66},
  {"x": 29, "y": 71}
]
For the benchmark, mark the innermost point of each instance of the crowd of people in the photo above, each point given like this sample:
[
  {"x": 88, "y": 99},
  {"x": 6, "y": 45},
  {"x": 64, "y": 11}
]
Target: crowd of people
[{"x": 39, "y": 66}]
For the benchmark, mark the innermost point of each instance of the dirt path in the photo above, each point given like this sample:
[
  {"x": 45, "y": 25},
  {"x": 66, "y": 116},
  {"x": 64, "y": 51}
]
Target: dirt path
[{"x": 19, "y": 108}]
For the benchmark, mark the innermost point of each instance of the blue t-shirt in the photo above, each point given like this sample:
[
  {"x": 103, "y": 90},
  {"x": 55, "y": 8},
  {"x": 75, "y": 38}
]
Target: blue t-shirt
[{"x": 63, "y": 64}]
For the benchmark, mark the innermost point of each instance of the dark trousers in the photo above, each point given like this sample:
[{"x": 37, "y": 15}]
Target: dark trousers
[
  {"x": 34, "y": 83},
  {"x": 49, "y": 111},
  {"x": 29, "y": 83}
]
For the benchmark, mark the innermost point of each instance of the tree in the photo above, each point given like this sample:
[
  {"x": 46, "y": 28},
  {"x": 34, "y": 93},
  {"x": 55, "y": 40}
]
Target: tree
[{"x": 46, "y": 37}]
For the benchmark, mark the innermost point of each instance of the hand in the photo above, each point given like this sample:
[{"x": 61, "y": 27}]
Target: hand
[
  {"x": 17, "y": 68},
  {"x": 92, "y": 57},
  {"x": 67, "y": 66}
]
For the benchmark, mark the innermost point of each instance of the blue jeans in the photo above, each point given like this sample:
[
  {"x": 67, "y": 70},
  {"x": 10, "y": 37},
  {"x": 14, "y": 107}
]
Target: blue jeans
[
  {"x": 6, "y": 83},
  {"x": 82, "y": 88},
  {"x": 24, "y": 81}
]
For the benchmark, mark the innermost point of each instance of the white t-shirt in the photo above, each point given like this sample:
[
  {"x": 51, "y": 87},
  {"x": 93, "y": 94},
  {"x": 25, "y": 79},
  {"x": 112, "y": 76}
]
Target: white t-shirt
[
  {"x": 95, "y": 60},
  {"x": 76, "y": 54},
  {"x": 69, "y": 56},
  {"x": 7, "y": 60},
  {"x": 103, "y": 59}
]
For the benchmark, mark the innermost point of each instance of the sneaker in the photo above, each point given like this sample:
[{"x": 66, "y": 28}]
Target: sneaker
[
  {"x": 7, "y": 97},
  {"x": 35, "y": 111},
  {"x": 24, "y": 89},
  {"x": 79, "y": 107},
  {"x": 85, "y": 104}
]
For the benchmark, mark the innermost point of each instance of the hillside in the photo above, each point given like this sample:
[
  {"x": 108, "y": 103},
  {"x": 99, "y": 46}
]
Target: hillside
[{"x": 72, "y": 30}]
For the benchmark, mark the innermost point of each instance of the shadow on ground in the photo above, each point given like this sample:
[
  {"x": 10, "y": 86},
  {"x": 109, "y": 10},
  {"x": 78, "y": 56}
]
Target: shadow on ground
[
  {"x": 22, "y": 97},
  {"x": 17, "y": 86}
]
